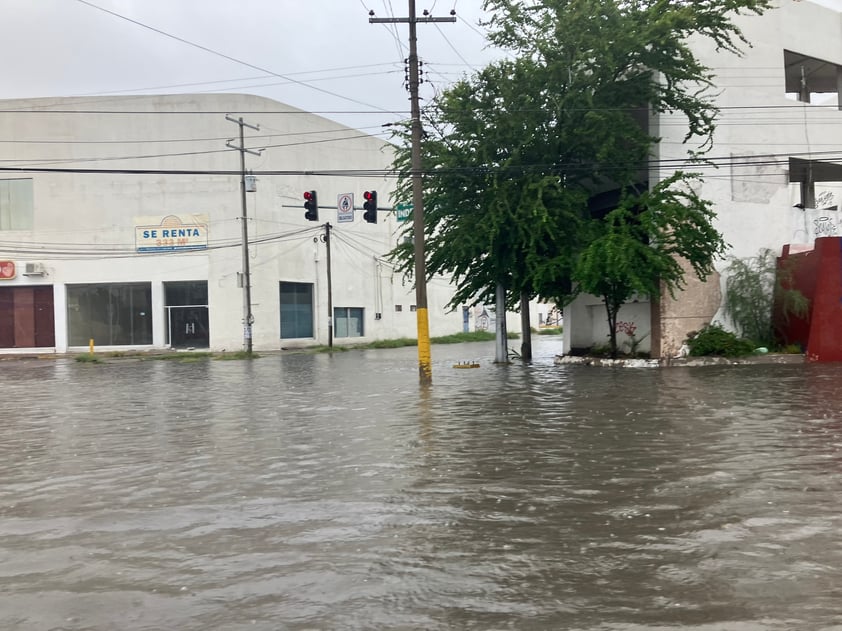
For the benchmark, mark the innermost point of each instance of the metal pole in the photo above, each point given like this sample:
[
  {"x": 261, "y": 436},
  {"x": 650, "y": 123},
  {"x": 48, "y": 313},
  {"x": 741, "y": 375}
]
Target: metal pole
[{"x": 329, "y": 288}]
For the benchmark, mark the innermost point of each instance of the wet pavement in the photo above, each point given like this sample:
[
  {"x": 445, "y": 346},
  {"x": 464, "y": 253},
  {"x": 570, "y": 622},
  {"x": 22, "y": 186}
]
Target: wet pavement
[{"x": 305, "y": 492}]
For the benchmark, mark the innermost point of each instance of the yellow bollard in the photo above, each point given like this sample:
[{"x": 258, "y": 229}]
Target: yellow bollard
[{"x": 91, "y": 346}]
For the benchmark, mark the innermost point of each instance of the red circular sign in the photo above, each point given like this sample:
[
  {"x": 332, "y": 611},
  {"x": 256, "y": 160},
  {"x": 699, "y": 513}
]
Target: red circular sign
[{"x": 7, "y": 270}]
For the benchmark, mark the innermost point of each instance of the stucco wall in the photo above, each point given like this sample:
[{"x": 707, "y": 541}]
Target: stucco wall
[
  {"x": 84, "y": 223},
  {"x": 758, "y": 129}
]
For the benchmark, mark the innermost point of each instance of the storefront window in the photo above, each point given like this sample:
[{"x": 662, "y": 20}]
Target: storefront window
[
  {"x": 110, "y": 314},
  {"x": 296, "y": 310}
]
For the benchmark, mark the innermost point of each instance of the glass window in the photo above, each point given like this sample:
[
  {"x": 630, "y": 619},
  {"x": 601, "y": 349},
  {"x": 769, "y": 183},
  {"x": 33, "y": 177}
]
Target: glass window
[
  {"x": 296, "y": 310},
  {"x": 348, "y": 321},
  {"x": 16, "y": 206},
  {"x": 186, "y": 294},
  {"x": 110, "y": 314}
]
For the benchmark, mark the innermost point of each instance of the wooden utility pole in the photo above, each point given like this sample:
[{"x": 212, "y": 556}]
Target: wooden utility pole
[
  {"x": 248, "y": 317},
  {"x": 425, "y": 366}
]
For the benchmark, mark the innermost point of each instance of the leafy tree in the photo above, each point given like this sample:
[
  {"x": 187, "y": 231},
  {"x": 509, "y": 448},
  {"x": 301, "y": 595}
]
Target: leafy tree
[
  {"x": 639, "y": 246},
  {"x": 518, "y": 155}
]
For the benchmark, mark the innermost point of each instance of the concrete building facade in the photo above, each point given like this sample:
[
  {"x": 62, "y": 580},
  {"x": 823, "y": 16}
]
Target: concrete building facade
[
  {"x": 774, "y": 177},
  {"x": 121, "y": 226}
]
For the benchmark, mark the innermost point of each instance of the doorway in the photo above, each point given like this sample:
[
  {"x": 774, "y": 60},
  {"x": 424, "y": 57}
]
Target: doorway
[
  {"x": 189, "y": 327},
  {"x": 187, "y": 314}
]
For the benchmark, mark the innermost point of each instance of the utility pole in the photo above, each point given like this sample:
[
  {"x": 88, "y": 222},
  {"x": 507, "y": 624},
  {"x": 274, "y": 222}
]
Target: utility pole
[
  {"x": 425, "y": 366},
  {"x": 329, "y": 288},
  {"x": 248, "y": 317}
]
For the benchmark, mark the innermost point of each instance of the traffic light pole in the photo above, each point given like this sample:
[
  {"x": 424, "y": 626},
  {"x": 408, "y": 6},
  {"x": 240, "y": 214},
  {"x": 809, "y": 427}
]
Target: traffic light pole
[
  {"x": 329, "y": 288},
  {"x": 425, "y": 366},
  {"x": 248, "y": 317}
]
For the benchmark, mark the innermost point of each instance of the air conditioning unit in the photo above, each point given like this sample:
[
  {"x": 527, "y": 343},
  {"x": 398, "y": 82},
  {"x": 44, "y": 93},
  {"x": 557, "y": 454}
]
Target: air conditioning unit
[{"x": 33, "y": 269}]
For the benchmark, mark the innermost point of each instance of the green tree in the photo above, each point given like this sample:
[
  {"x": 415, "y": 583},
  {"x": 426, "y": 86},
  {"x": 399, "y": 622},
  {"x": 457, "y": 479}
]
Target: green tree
[
  {"x": 524, "y": 159},
  {"x": 640, "y": 245}
]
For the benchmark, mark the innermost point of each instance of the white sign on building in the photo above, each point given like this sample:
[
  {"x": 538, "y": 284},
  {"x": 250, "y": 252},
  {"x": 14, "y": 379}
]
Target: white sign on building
[
  {"x": 171, "y": 233},
  {"x": 345, "y": 207}
]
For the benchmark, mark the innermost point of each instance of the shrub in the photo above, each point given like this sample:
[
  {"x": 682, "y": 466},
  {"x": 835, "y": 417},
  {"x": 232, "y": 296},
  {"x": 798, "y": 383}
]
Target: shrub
[
  {"x": 714, "y": 340},
  {"x": 753, "y": 287}
]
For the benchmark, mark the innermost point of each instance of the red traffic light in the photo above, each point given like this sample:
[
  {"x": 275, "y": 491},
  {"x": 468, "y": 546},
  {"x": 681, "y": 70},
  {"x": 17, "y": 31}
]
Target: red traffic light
[
  {"x": 312, "y": 206},
  {"x": 370, "y": 206}
]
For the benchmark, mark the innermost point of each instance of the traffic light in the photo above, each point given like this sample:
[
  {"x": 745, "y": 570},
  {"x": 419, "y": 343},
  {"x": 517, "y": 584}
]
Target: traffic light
[
  {"x": 312, "y": 206},
  {"x": 370, "y": 206}
]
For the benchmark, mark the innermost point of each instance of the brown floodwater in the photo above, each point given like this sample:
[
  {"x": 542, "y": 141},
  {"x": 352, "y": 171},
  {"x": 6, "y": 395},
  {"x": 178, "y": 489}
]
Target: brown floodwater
[{"x": 308, "y": 492}]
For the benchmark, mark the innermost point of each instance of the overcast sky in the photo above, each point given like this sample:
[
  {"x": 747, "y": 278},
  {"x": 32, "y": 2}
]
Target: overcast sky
[{"x": 69, "y": 47}]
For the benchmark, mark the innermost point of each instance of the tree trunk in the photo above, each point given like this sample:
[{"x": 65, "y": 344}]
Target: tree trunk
[
  {"x": 612, "y": 310},
  {"x": 526, "y": 331},
  {"x": 501, "y": 355}
]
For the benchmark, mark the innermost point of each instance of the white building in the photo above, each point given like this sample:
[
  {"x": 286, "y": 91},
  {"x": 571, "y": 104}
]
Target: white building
[
  {"x": 777, "y": 150},
  {"x": 121, "y": 226}
]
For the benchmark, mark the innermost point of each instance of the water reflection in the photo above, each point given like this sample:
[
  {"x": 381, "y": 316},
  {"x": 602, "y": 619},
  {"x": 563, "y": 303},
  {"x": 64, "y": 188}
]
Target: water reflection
[{"x": 330, "y": 492}]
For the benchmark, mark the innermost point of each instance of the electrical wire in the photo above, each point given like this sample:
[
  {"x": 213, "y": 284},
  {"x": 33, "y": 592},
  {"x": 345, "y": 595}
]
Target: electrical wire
[
  {"x": 710, "y": 162},
  {"x": 224, "y": 56},
  {"x": 170, "y": 86},
  {"x": 725, "y": 108},
  {"x": 42, "y": 161}
]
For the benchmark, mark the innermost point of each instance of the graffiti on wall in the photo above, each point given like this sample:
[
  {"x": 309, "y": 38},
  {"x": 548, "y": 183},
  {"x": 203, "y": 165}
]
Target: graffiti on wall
[{"x": 824, "y": 227}]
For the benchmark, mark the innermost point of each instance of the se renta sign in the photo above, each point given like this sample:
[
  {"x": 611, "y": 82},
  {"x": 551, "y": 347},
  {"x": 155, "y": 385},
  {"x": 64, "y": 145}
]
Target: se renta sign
[{"x": 173, "y": 233}]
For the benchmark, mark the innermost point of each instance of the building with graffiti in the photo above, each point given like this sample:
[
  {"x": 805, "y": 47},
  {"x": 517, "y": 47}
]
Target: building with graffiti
[{"x": 774, "y": 172}]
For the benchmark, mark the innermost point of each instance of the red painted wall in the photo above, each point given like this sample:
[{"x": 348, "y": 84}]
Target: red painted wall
[{"x": 818, "y": 275}]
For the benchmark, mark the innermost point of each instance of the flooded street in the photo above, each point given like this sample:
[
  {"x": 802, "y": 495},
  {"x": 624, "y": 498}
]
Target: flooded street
[{"x": 325, "y": 492}]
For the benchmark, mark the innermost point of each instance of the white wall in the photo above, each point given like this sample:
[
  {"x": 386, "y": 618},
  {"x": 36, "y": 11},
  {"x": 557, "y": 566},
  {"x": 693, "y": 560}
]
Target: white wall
[
  {"x": 84, "y": 222},
  {"x": 758, "y": 129}
]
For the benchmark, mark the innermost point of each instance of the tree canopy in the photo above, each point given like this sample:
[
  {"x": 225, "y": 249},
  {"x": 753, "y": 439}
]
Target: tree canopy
[{"x": 536, "y": 167}]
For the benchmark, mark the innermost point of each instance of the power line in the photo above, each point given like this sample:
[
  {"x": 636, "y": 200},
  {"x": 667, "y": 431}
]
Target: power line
[
  {"x": 224, "y": 56},
  {"x": 725, "y": 108},
  {"x": 139, "y": 141},
  {"x": 36, "y": 161},
  {"x": 752, "y": 160},
  {"x": 262, "y": 76}
]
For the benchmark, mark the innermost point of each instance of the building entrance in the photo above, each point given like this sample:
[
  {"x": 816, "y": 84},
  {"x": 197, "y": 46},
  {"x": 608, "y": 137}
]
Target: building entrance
[
  {"x": 189, "y": 327},
  {"x": 187, "y": 314}
]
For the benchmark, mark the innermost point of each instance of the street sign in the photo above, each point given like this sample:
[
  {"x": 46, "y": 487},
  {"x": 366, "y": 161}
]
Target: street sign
[
  {"x": 403, "y": 211},
  {"x": 345, "y": 207}
]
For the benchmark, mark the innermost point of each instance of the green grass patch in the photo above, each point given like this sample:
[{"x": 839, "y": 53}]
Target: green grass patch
[
  {"x": 192, "y": 356},
  {"x": 552, "y": 330},
  {"x": 396, "y": 343},
  {"x": 327, "y": 349},
  {"x": 471, "y": 336},
  {"x": 88, "y": 358},
  {"x": 236, "y": 355}
]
